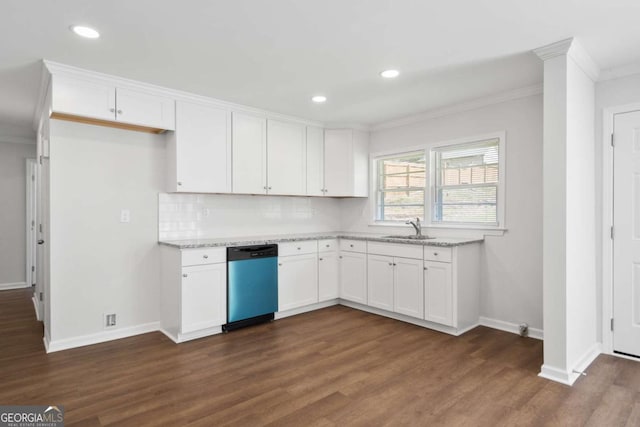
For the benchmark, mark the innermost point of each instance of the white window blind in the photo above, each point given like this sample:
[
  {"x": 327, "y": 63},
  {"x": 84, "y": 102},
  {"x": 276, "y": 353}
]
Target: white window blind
[
  {"x": 401, "y": 185},
  {"x": 466, "y": 180}
]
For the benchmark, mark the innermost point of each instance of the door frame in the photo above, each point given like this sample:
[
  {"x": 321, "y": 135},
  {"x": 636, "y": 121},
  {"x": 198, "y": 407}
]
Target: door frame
[
  {"x": 607, "y": 222},
  {"x": 31, "y": 215}
]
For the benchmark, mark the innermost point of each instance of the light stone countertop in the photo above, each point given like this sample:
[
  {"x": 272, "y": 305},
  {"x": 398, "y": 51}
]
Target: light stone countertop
[{"x": 281, "y": 238}]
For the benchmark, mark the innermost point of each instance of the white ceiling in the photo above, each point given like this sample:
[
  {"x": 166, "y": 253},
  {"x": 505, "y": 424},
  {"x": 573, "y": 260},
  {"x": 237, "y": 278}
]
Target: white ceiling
[{"x": 276, "y": 54}]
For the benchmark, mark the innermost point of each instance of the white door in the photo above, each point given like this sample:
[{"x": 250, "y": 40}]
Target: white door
[
  {"x": 42, "y": 232},
  {"x": 438, "y": 295},
  {"x": 286, "y": 158},
  {"x": 249, "y": 141},
  {"x": 204, "y": 297},
  {"x": 328, "y": 276},
  {"x": 203, "y": 148},
  {"x": 32, "y": 238},
  {"x": 409, "y": 287},
  {"x": 626, "y": 245},
  {"x": 144, "y": 109},
  {"x": 353, "y": 277},
  {"x": 315, "y": 161},
  {"x": 380, "y": 272},
  {"x": 297, "y": 281},
  {"x": 338, "y": 162}
]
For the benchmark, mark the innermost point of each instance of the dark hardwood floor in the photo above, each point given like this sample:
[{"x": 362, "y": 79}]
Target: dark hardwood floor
[{"x": 332, "y": 367}]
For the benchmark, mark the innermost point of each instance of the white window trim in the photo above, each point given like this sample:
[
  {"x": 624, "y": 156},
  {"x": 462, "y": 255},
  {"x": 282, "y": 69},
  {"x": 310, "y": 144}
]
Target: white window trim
[{"x": 501, "y": 216}]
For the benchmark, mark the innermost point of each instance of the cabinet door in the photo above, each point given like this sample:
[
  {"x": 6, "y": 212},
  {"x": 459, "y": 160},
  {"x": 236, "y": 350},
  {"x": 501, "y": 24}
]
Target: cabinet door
[
  {"x": 353, "y": 277},
  {"x": 202, "y": 149},
  {"x": 380, "y": 281},
  {"x": 83, "y": 98},
  {"x": 328, "y": 276},
  {"x": 297, "y": 281},
  {"x": 249, "y": 142},
  {"x": 315, "y": 161},
  {"x": 338, "y": 162},
  {"x": 204, "y": 297},
  {"x": 145, "y": 109},
  {"x": 438, "y": 296},
  {"x": 286, "y": 158},
  {"x": 409, "y": 287}
]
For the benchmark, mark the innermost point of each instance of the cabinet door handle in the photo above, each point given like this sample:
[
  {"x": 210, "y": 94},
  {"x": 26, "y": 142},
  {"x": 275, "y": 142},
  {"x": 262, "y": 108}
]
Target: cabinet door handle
[
  {"x": 185, "y": 275},
  {"x": 435, "y": 254},
  {"x": 112, "y": 110},
  {"x": 179, "y": 183},
  {"x": 269, "y": 188},
  {"x": 280, "y": 264},
  {"x": 299, "y": 248},
  {"x": 390, "y": 264},
  {"x": 119, "y": 111},
  {"x": 394, "y": 264},
  {"x": 205, "y": 256},
  {"x": 340, "y": 257},
  {"x": 351, "y": 245},
  {"x": 328, "y": 246},
  {"x": 265, "y": 187},
  {"x": 425, "y": 268},
  {"x": 320, "y": 259}
]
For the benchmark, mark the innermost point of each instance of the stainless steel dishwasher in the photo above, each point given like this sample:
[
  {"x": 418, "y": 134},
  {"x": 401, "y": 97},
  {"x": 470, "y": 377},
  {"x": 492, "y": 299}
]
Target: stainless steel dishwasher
[{"x": 252, "y": 285}]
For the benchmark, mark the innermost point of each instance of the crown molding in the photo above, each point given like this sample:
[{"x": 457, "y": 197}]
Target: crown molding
[
  {"x": 572, "y": 48},
  {"x": 80, "y": 73},
  {"x": 339, "y": 125},
  {"x": 620, "y": 72},
  {"x": 486, "y": 101}
]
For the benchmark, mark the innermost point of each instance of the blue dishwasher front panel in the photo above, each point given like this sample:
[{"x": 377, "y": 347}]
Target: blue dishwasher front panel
[{"x": 252, "y": 289}]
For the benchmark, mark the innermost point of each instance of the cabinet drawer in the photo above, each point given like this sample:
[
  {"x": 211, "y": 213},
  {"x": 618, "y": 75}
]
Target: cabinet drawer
[
  {"x": 297, "y": 248},
  {"x": 328, "y": 245},
  {"x": 435, "y": 253},
  {"x": 395, "y": 250},
  {"x": 353, "y": 245},
  {"x": 203, "y": 256}
]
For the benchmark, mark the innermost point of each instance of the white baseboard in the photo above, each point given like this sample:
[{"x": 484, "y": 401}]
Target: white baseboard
[
  {"x": 570, "y": 376},
  {"x": 514, "y": 328},
  {"x": 14, "y": 285},
  {"x": 36, "y": 307},
  {"x": 199, "y": 334},
  {"x": 305, "y": 309},
  {"x": 99, "y": 337}
]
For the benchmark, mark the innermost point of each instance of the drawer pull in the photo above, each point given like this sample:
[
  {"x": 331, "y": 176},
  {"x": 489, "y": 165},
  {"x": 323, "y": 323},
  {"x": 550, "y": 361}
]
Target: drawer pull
[
  {"x": 351, "y": 245},
  {"x": 205, "y": 256},
  {"x": 328, "y": 246},
  {"x": 280, "y": 264},
  {"x": 425, "y": 268},
  {"x": 435, "y": 254},
  {"x": 299, "y": 248},
  {"x": 185, "y": 275},
  {"x": 320, "y": 259}
]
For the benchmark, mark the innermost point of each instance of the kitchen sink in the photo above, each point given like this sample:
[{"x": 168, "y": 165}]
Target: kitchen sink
[{"x": 409, "y": 237}]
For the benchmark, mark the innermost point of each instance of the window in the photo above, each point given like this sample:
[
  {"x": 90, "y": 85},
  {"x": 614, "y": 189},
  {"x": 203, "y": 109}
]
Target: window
[
  {"x": 401, "y": 184},
  {"x": 466, "y": 179},
  {"x": 462, "y": 184}
]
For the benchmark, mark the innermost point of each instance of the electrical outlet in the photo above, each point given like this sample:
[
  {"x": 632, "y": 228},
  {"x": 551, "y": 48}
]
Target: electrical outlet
[
  {"x": 109, "y": 320},
  {"x": 125, "y": 215}
]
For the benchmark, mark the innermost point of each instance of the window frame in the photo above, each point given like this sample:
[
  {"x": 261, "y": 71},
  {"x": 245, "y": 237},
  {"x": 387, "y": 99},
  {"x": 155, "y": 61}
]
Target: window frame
[{"x": 430, "y": 184}]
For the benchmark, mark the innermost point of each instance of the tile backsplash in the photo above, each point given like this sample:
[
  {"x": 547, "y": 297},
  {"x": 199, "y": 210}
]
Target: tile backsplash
[{"x": 188, "y": 216}]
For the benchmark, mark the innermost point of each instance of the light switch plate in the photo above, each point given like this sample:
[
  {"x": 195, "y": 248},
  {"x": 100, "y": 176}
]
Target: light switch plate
[{"x": 125, "y": 215}]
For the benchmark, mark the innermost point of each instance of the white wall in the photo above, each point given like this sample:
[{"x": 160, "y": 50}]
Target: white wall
[
  {"x": 610, "y": 93},
  {"x": 98, "y": 264},
  {"x": 187, "y": 216},
  {"x": 512, "y": 264},
  {"x": 13, "y": 211}
]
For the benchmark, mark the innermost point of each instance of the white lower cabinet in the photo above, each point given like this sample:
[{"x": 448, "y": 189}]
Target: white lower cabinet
[
  {"x": 297, "y": 281},
  {"x": 380, "y": 273},
  {"x": 438, "y": 295},
  {"x": 409, "y": 289},
  {"x": 204, "y": 302},
  {"x": 353, "y": 276},
  {"x": 328, "y": 276},
  {"x": 193, "y": 297}
]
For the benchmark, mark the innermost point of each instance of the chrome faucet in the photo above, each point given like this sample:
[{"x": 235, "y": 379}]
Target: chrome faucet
[{"x": 417, "y": 226}]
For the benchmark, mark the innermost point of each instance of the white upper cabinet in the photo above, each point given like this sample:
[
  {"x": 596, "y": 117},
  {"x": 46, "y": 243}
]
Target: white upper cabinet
[
  {"x": 346, "y": 163},
  {"x": 145, "y": 109},
  {"x": 100, "y": 100},
  {"x": 77, "y": 97},
  {"x": 315, "y": 161},
  {"x": 199, "y": 151},
  {"x": 249, "y": 154},
  {"x": 286, "y": 158}
]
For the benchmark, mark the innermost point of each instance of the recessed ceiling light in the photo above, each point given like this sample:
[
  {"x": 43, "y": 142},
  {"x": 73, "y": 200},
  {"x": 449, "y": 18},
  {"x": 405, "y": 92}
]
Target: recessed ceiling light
[
  {"x": 319, "y": 99},
  {"x": 390, "y": 74},
  {"x": 86, "y": 32}
]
